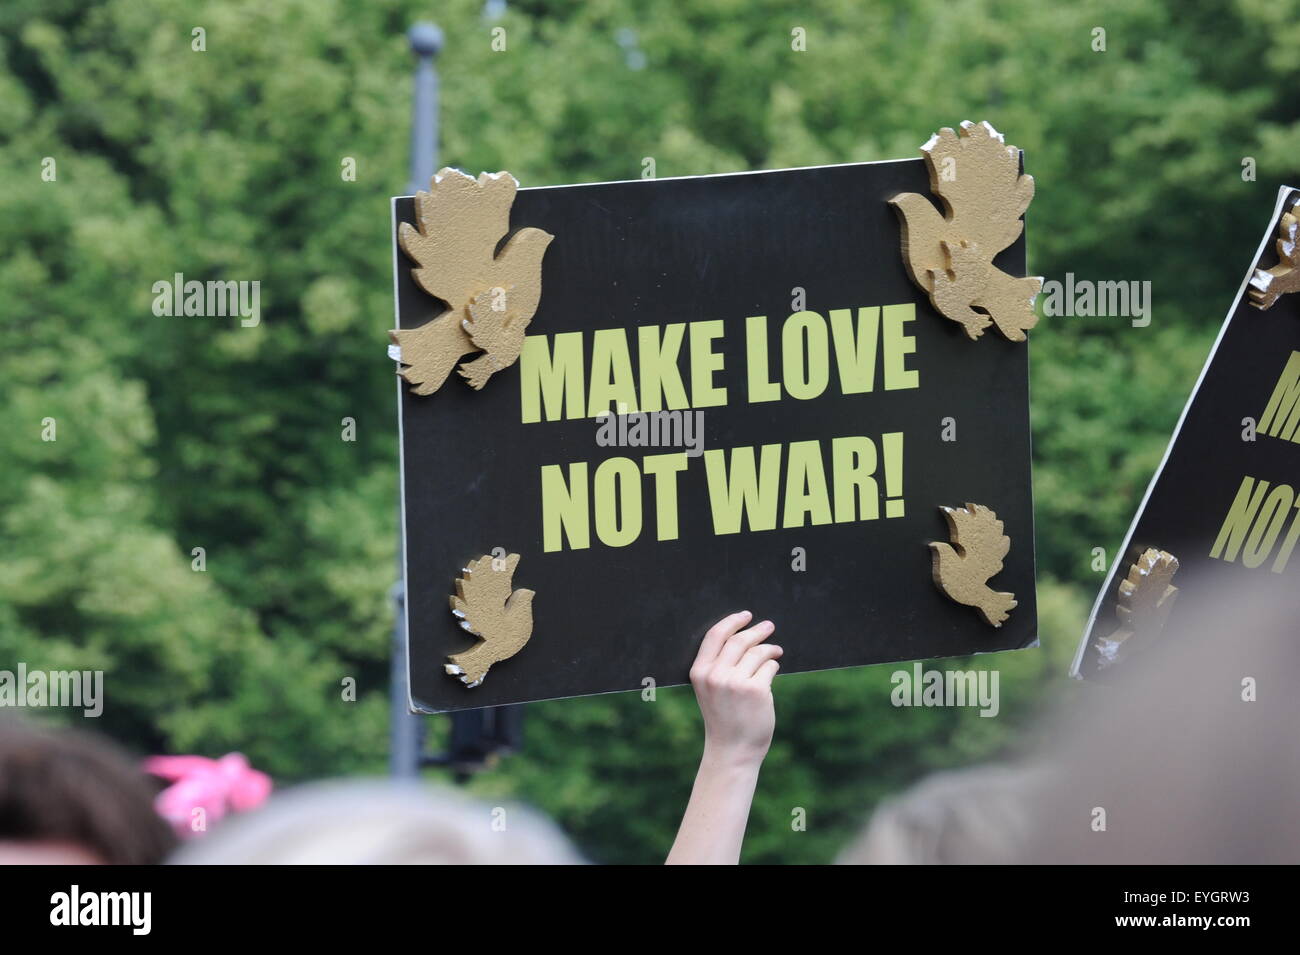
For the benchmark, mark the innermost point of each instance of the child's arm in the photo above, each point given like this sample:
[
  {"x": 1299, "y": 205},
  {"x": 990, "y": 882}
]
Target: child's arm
[{"x": 732, "y": 676}]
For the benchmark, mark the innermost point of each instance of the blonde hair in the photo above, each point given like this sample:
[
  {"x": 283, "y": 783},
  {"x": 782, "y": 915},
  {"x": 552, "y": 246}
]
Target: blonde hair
[
  {"x": 965, "y": 816},
  {"x": 381, "y": 823}
]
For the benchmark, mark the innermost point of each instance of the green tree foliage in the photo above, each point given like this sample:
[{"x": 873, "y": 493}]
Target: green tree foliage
[{"x": 225, "y": 163}]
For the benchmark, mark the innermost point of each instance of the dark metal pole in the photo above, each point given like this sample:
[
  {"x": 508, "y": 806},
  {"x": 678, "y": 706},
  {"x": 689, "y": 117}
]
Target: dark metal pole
[
  {"x": 426, "y": 43},
  {"x": 405, "y": 729}
]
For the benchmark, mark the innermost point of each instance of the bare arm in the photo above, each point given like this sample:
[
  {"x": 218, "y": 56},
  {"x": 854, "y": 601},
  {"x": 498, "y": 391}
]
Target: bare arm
[{"x": 732, "y": 676}]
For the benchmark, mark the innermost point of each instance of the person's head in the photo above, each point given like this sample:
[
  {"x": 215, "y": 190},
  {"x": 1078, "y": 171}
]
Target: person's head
[
  {"x": 68, "y": 797},
  {"x": 965, "y": 816},
  {"x": 1187, "y": 753},
  {"x": 380, "y": 823}
]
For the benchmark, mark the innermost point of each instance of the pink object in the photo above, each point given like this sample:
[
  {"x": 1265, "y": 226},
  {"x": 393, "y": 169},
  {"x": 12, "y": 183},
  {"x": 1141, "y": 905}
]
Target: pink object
[{"x": 216, "y": 786}]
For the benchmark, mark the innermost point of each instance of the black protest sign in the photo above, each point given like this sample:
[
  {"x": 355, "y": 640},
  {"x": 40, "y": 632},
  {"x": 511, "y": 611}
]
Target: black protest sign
[
  {"x": 789, "y": 416},
  {"x": 1221, "y": 515}
]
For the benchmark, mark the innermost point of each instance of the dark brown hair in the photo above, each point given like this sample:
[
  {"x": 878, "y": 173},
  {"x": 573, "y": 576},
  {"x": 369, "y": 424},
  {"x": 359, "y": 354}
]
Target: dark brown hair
[{"x": 70, "y": 786}]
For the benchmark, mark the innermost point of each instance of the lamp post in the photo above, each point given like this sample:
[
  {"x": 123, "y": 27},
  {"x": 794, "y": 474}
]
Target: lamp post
[
  {"x": 426, "y": 43},
  {"x": 406, "y": 734}
]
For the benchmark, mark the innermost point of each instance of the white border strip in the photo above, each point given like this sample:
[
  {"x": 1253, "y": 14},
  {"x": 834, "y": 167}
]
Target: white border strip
[{"x": 401, "y": 466}]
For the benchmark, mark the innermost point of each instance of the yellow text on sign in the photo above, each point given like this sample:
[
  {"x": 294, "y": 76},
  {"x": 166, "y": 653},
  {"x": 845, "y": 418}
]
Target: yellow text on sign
[
  {"x": 744, "y": 489},
  {"x": 556, "y": 383}
]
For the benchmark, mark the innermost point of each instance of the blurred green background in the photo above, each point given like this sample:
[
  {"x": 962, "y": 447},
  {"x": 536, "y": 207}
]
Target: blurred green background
[{"x": 176, "y": 433}]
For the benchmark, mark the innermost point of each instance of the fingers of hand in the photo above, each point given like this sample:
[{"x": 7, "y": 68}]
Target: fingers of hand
[
  {"x": 767, "y": 672},
  {"x": 718, "y": 635},
  {"x": 737, "y": 645},
  {"x": 755, "y": 657}
]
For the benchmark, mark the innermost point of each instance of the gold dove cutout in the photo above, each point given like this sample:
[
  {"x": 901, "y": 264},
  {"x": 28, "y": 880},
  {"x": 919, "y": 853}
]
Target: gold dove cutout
[
  {"x": 1268, "y": 285},
  {"x": 962, "y": 569},
  {"x": 977, "y": 177},
  {"x": 1145, "y": 599},
  {"x": 486, "y": 607},
  {"x": 490, "y": 298}
]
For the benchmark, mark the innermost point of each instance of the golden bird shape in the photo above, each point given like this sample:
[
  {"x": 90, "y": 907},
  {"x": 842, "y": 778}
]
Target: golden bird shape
[
  {"x": 496, "y": 324},
  {"x": 954, "y": 288},
  {"x": 459, "y": 223},
  {"x": 1146, "y": 598},
  {"x": 961, "y": 569},
  {"x": 1268, "y": 285},
  {"x": 977, "y": 177},
  {"x": 487, "y": 608}
]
